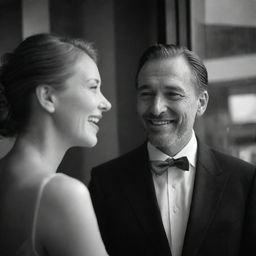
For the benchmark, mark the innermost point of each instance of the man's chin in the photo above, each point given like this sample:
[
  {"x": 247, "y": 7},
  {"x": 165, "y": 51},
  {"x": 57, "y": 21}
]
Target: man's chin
[{"x": 159, "y": 141}]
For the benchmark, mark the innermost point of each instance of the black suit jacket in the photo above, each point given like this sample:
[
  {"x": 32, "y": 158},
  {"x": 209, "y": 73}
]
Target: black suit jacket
[{"x": 222, "y": 218}]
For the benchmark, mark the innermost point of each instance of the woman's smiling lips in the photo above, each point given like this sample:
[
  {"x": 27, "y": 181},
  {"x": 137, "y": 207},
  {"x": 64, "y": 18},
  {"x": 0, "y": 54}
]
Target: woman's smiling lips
[{"x": 94, "y": 120}]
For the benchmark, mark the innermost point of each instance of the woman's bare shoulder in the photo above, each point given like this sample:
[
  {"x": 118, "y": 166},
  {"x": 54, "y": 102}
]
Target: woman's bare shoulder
[
  {"x": 63, "y": 189},
  {"x": 67, "y": 218}
]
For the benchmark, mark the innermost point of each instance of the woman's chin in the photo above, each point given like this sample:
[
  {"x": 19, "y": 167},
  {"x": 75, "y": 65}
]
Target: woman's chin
[{"x": 91, "y": 143}]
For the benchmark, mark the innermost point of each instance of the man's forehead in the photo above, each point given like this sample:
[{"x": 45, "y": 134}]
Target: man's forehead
[
  {"x": 166, "y": 62},
  {"x": 171, "y": 66}
]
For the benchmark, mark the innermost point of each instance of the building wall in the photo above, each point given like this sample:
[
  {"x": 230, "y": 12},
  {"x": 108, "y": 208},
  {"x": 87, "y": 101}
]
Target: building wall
[{"x": 135, "y": 30}]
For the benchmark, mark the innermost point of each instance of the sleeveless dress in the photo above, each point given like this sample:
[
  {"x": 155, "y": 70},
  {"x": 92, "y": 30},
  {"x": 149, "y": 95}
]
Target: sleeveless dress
[{"x": 28, "y": 247}]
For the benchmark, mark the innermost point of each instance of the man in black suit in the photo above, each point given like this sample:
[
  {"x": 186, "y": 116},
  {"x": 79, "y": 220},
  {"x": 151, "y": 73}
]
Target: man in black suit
[{"x": 174, "y": 195}]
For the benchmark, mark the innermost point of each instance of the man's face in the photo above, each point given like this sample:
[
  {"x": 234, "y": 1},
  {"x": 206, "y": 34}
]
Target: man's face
[{"x": 168, "y": 102}]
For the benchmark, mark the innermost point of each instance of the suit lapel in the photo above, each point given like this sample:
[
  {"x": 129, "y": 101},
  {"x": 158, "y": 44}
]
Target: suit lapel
[
  {"x": 139, "y": 190},
  {"x": 210, "y": 181}
]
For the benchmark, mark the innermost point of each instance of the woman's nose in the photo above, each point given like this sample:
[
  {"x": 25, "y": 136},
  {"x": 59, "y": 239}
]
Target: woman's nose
[{"x": 105, "y": 105}]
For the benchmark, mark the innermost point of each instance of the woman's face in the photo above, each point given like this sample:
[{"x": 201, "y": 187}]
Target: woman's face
[{"x": 80, "y": 105}]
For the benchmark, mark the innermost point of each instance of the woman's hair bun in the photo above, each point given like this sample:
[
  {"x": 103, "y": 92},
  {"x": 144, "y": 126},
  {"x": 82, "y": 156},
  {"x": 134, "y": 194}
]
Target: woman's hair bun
[
  {"x": 6, "y": 129},
  {"x": 5, "y": 59}
]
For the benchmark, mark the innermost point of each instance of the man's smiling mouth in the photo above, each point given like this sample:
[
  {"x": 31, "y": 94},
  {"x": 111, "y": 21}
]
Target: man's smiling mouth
[{"x": 159, "y": 122}]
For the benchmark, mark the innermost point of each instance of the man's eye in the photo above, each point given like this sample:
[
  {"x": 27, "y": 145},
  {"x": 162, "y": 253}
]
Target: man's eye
[
  {"x": 174, "y": 95},
  {"x": 145, "y": 94}
]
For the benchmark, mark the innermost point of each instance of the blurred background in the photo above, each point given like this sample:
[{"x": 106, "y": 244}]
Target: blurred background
[{"x": 223, "y": 33}]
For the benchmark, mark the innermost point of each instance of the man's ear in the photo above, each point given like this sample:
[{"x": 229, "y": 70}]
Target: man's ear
[
  {"x": 202, "y": 103},
  {"x": 46, "y": 97}
]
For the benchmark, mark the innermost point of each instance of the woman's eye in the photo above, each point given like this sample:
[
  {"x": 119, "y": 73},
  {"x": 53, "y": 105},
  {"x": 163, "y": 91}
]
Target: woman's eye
[{"x": 94, "y": 87}]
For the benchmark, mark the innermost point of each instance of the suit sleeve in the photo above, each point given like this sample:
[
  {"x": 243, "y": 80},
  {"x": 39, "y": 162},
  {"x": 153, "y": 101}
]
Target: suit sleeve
[
  {"x": 97, "y": 197},
  {"x": 249, "y": 238}
]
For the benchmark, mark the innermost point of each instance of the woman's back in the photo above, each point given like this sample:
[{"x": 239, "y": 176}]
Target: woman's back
[
  {"x": 63, "y": 222},
  {"x": 19, "y": 193},
  {"x": 17, "y": 200}
]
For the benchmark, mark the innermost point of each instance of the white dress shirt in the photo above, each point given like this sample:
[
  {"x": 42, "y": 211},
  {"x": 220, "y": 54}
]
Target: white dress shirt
[{"x": 174, "y": 191}]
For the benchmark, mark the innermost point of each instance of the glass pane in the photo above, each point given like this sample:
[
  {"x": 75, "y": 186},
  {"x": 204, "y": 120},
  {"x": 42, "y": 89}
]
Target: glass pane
[{"x": 225, "y": 38}]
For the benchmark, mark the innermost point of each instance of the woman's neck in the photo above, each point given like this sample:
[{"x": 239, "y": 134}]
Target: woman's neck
[{"x": 42, "y": 150}]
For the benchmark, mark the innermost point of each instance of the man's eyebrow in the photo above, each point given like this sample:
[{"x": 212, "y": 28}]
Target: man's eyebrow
[
  {"x": 173, "y": 88},
  {"x": 143, "y": 87}
]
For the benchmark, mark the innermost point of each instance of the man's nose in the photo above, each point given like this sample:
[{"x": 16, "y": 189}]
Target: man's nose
[{"x": 158, "y": 106}]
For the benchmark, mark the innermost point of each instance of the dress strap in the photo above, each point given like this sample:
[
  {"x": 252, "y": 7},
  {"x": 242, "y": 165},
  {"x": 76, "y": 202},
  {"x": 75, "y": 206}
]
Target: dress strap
[{"x": 38, "y": 201}]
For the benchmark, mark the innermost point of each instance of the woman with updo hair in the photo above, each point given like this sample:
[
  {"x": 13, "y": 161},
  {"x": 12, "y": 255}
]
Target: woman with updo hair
[{"x": 50, "y": 101}]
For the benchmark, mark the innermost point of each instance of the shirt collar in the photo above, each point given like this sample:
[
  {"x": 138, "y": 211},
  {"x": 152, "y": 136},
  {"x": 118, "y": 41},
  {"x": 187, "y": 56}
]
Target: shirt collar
[{"x": 190, "y": 151}]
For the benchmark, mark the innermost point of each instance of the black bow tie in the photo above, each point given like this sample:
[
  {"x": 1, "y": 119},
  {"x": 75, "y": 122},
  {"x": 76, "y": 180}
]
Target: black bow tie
[{"x": 159, "y": 167}]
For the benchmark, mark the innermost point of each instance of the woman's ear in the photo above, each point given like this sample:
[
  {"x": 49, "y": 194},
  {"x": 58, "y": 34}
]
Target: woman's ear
[{"x": 46, "y": 97}]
